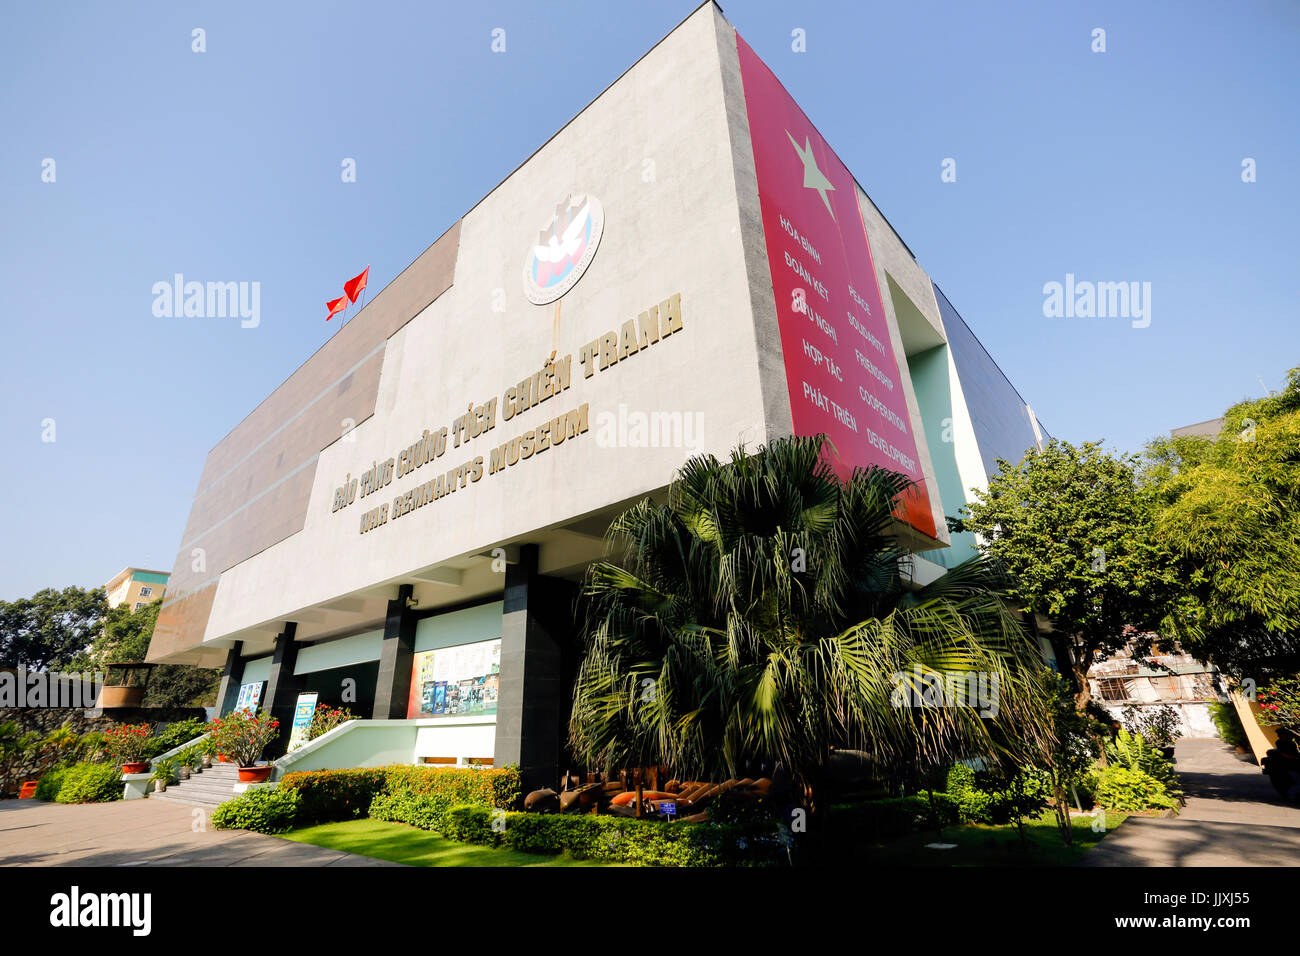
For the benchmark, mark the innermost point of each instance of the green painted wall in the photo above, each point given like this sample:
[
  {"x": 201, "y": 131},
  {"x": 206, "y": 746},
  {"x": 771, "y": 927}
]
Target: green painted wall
[{"x": 930, "y": 380}]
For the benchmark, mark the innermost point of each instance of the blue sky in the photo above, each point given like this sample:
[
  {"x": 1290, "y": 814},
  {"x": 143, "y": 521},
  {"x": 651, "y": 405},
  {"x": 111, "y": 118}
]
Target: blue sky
[{"x": 225, "y": 165}]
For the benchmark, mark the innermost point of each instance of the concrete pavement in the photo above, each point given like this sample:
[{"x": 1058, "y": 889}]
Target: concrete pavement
[
  {"x": 144, "y": 833},
  {"x": 1233, "y": 817}
]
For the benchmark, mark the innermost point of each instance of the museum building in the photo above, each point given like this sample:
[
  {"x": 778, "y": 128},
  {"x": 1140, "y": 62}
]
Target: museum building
[{"x": 401, "y": 527}]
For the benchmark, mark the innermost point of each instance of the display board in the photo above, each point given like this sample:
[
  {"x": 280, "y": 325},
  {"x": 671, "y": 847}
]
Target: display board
[
  {"x": 303, "y": 712},
  {"x": 250, "y": 696},
  {"x": 841, "y": 368},
  {"x": 455, "y": 681}
]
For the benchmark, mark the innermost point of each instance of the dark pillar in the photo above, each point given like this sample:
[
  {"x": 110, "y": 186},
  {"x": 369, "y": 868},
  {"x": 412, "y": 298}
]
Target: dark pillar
[
  {"x": 283, "y": 687},
  {"x": 532, "y": 691},
  {"x": 231, "y": 677},
  {"x": 393, "y": 688}
]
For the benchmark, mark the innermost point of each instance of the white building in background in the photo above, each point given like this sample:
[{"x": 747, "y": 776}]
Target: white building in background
[{"x": 1176, "y": 680}]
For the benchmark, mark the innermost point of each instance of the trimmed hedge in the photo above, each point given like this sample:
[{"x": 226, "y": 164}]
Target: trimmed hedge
[
  {"x": 89, "y": 783},
  {"x": 617, "y": 839},
  {"x": 421, "y": 796},
  {"x": 878, "y": 819},
  {"x": 329, "y": 795},
  {"x": 260, "y": 809}
]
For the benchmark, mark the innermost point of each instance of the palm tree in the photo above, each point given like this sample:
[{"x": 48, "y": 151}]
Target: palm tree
[{"x": 762, "y": 615}]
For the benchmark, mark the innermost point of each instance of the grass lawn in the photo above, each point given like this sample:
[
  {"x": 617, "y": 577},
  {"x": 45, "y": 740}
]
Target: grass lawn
[
  {"x": 399, "y": 843},
  {"x": 981, "y": 845}
]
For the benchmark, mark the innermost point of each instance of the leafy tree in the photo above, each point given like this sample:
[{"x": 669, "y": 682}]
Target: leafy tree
[
  {"x": 762, "y": 615},
  {"x": 1229, "y": 507},
  {"x": 1074, "y": 530},
  {"x": 51, "y": 628},
  {"x": 179, "y": 685}
]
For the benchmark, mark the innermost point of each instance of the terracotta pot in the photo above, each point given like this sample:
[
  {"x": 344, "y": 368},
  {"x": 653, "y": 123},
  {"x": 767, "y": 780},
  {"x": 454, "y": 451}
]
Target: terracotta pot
[
  {"x": 28, "y": 790},
  {"x": 254, "y": 774},
  {"x": 139, "y": 766},
  {"x": 222, "y": 758}
]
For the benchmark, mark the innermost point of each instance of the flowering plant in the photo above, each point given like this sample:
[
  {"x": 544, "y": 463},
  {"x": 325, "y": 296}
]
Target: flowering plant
[
  {"x": 126, "y": 742},
  {"x": 1279, "y": 704},
  {"x": 327, "y": 718},
  {"x": 242, "y": 736}
]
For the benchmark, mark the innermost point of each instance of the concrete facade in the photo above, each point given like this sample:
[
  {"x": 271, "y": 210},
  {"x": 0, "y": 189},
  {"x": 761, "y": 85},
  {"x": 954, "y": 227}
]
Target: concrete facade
[{"x": 277, "y": 542}]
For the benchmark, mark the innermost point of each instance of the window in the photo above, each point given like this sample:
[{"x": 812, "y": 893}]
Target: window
[
  {"x": 145, "y": 592},
  {"x": 138, "y": 605},
  {"x": 1113, "y": 689}
]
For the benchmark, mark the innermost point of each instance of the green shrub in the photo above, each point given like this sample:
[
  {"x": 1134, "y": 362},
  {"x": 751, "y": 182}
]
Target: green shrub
[
  {"x": 617, "y": 839},
  {"x": 90, "y": 783},
  {"x": 173, "y": 735},
  {"x": 271, "y": 809},
  {"x": 1125, "y": 788},
  {"x": 421, "y": 796},
  {"x": 973, "y": 804},
  {"x": 47, "y": 788},
  {"x": 1228, "y": 723},
  {"x": 330, "y": 795},
  {"x": 980, "y": 800},
  {"x": 877, "y": 819},
  {"x": 1133, "y": 752}
]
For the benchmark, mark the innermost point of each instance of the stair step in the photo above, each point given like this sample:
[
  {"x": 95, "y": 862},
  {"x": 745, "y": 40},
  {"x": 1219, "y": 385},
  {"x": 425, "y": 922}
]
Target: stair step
[{"x": 193, "y": 800}]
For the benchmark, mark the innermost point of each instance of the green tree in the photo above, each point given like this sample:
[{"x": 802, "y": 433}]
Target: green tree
[
  {"x": 763, "y": 615},
  {"x": 1229, "y": 507},
  {"x": 51, "y": 628},
  {"x": 1074, "y": 530}
]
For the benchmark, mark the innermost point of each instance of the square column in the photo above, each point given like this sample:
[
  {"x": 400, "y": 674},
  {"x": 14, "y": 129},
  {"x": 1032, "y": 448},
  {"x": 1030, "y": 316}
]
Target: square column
[
  {"x": 533, "y": 695},
  {"x": 396, "y": 656},
  {"x": 232, "y": 675},
  {"x": 283, "y": 688}
]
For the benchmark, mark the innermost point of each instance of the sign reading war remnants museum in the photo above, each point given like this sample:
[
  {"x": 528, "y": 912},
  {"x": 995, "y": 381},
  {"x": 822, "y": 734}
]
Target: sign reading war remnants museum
[{"x": 484, "y": 426}]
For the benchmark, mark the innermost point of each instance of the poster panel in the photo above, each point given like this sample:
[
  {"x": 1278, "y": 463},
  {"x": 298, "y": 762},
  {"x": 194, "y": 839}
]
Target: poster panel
[
  {"x": 455, "y": 681},
  {"x": 841, "y": 370},
  {"x": 250, "y": 696},
  {"x": 303, "y": 712}
]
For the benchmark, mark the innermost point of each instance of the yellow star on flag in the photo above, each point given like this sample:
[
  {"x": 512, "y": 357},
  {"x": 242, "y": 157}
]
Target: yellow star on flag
[{"x": 813, "y": 178}]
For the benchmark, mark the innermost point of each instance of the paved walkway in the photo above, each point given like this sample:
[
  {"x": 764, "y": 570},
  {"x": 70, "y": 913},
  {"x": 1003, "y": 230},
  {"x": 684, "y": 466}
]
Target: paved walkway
[
  {"x": 144, "y": 833},
  {"x": 1233, "y": 817}
]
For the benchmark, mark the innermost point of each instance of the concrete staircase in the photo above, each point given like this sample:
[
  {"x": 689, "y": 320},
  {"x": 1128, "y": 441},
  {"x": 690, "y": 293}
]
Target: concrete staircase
[{"x": 207, "y": 789}]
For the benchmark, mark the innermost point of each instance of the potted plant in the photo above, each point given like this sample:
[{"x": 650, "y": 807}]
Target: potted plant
[
  {"x": 208, "y": 749},
  {"x": 242, "y": 737},
  {"x": 185, "y": 760},
  {"x": 126, "y": 744},
  {"x": 163, "y": 769}
]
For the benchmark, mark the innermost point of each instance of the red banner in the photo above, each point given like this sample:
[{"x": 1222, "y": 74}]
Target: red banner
[{"x": 840, "y": 365}]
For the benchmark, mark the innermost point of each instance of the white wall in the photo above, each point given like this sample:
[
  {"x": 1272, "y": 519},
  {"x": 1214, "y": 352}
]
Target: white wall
[
  {"x": 257, "y": 669},
  {"x": 467, "y": 626},
  {"x": 676, "y": 233},
  {"x": 344, "y": 652}
]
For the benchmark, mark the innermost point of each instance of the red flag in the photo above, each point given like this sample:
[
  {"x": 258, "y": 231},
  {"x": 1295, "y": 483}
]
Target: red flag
[
  {"x": 353, "y": 287},
  {"x": 335, "y": 306}
]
